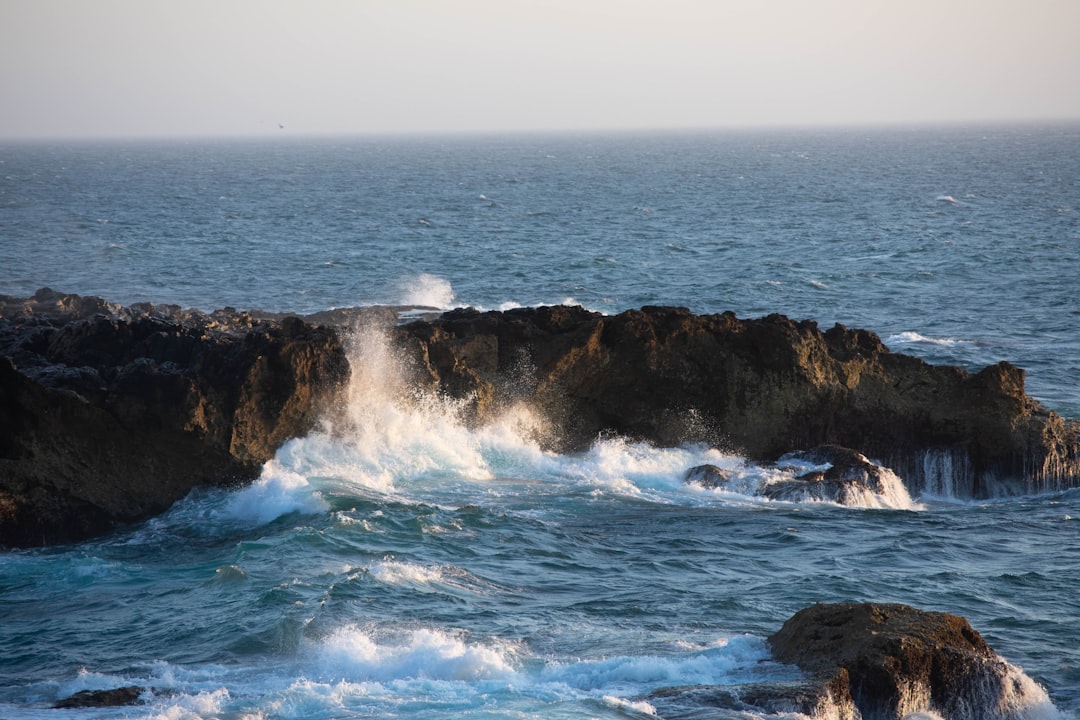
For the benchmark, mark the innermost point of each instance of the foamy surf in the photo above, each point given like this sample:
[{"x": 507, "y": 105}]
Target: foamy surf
[{"x": 393, "y": 441}]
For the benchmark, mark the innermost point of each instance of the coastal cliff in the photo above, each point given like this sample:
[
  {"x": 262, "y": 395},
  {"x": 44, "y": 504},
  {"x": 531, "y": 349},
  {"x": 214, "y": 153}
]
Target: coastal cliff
[{"x": 109, "y": 414}]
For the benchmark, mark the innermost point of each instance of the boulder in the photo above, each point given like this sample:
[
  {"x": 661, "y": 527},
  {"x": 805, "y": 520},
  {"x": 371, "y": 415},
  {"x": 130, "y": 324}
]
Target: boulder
[
  {"x": 112, "y": 413},
  {"x": 895, "y": 660}
]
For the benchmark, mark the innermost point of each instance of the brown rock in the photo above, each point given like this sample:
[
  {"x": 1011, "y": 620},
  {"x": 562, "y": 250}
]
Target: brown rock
[
  {"x": 897, "y": 660},
  {"x": 760, "y": 387},
  {"x": 112, "y": 414}
]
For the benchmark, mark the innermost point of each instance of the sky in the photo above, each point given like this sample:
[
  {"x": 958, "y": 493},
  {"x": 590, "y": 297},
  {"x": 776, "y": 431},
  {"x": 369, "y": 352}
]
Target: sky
[{"x": 172, "y": 68}]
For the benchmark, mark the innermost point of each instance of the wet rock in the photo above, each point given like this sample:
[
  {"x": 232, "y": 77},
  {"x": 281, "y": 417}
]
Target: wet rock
[
  {"x": 708, "y": 476},
  {"x": 840, "y": 475},
  {"x": 116, "y": 697},
  {"x": 895, "y": 660},
  {"x": 809, "y": 699}
]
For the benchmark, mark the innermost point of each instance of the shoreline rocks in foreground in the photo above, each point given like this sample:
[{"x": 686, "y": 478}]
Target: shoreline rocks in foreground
[
  {"x": 876, "y": 661},
  {"x": 109, "y": 414}
]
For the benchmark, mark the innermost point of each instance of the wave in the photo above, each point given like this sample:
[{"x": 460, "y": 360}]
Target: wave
[
  {"x": 363, "y": 671},
  {"x": 427, "y": 290},
  {"x": 911, "y": 337},
  {"x": 392, "y": 441}
]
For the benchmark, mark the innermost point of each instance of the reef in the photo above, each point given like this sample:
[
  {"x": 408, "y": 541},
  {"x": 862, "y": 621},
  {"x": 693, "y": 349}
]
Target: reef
[{"x": 109, "y": 414}]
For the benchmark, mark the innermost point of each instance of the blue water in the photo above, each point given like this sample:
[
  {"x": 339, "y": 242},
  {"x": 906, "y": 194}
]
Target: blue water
[{"x": 409, "y": 567}]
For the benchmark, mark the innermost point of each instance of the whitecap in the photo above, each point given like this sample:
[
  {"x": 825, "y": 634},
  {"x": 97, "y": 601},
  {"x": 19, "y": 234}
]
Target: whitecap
[
  {"x": 278, "y": 491},
  {"x": 356, "y": 655},
  {"x": 911, "y": 337}
]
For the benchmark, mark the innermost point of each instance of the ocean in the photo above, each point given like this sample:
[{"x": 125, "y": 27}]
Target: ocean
[{"x": 417, "y": 568}]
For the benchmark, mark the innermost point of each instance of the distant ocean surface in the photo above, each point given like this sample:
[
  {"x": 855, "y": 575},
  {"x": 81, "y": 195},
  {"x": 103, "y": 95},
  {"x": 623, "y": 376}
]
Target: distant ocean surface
[{"x": 420, "y": 569}]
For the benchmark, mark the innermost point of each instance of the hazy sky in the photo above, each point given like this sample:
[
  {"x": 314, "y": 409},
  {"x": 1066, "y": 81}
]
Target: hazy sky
[{"x": 242, "y": 67}]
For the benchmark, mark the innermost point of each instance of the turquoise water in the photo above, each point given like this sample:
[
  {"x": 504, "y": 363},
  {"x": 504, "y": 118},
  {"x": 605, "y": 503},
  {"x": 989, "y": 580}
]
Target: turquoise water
[{"x": 408, "y": 567}]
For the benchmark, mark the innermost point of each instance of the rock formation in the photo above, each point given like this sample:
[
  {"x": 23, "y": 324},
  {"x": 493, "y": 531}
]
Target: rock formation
[
  {"x": 110, "y": 414},
  {"x": 760, "y": 387},
  {"x": 894, "y": 660},
  {"x": 827, "y": 473}
]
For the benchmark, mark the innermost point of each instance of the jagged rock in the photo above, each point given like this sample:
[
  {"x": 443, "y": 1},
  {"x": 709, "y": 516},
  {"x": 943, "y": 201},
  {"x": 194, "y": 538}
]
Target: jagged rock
[
  {"x": 895, "y": 660},
  {"x": 760, "y": 387},
  {"x": 109, "y": 414},
  {"x": 116, "y": 697}
]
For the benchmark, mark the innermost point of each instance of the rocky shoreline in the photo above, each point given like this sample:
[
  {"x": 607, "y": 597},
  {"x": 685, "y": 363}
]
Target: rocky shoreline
[{"x": 110, "y": 413}]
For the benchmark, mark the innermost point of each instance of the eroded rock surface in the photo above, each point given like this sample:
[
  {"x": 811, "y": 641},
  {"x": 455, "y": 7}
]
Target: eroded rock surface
[
  {"x": 760, "y": 387},
  {"x": 110, "y": 414}
]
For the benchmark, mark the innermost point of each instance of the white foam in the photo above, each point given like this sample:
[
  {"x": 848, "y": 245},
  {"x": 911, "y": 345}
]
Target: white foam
[
  {"x": 278, "y": 491},
  {"x": 355, "y": 655},
  {"x": 911, "y": 337},
  {"x": 727, "y": 661},
  {"x": 630, "y": 708},
  {"x": 427, "y": 290},
  {"x": 391, "y": 439}
]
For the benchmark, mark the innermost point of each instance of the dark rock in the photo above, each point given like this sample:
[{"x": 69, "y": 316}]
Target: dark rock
[
  {"x": 848, "y": 478},
  {"x": 810, "y": 699},
  {"x": 113, "y": 414},
  {"x": 760, "y": 387},
  {"x": 117, "y": 697},
  {"x": 844, "y": 464},
  {"x": 708, "y": 476},
  {"x": 895, "y": 660}
]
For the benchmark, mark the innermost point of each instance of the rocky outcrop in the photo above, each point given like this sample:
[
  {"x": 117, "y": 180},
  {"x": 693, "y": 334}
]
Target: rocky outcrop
[
  {"x": 894, "y": 660},
  {"x": 761, "y": 387},
  {"x": 110, "y": 414}
]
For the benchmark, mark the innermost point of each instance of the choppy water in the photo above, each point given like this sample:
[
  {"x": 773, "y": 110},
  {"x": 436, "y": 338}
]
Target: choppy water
[{"x": 412, "y": 568}]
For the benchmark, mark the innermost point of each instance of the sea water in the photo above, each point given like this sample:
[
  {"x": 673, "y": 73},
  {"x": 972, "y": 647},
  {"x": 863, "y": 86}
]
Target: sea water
[{"x": 400, "y": 564}]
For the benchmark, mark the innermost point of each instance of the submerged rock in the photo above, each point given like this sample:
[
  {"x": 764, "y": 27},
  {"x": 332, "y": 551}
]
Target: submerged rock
[
  {"x": 808, "y": 699},
  {"x": 828, "y": 473},
  {"x": 895, "y": 660},
  {"x": 116, "y": 697}
]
